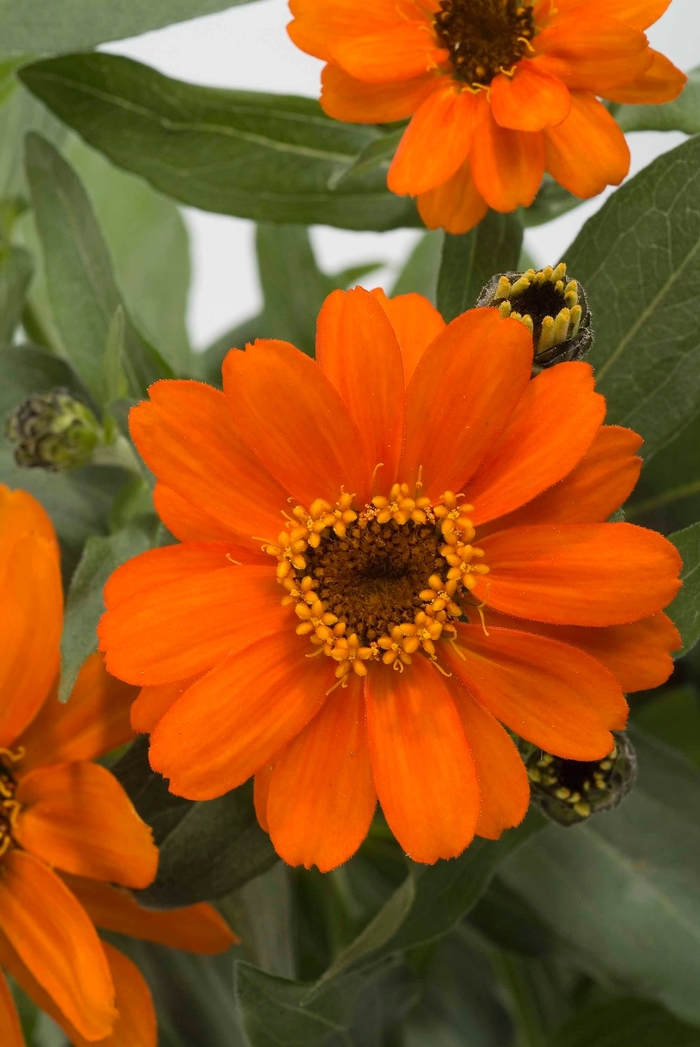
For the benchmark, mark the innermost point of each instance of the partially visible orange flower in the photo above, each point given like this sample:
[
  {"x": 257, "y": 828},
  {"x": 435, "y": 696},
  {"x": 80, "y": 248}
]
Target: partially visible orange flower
[
  {"x": 67, "y": 828},
  {"x": 414, "y": 474},
  {"x": 500, "y": 91}
]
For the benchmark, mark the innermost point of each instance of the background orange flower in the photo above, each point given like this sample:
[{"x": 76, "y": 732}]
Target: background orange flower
[
  {"x": 499, "y": 91},
  {"x": 67, "y": 828}
]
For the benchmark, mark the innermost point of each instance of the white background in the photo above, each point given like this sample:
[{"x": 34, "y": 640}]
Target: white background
[{"x": 247, "y": 47}]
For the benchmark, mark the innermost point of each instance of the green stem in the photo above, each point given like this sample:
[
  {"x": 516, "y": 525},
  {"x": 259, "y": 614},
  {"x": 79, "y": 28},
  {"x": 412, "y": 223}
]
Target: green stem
[
  {"x": 524, "y": 1008},
  {"x": 660, "y": 500},
  {"x": 119, "y": 453}
]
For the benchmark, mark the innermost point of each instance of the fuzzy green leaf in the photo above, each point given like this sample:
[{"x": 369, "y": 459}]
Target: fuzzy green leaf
[
  {"x": 469, "y": 261},
  {"x": 639, "y": 261},
  {"x": 626, "y": 1023},
  {"x": 16, "y": 270},
  {"x": 685, "y": 609},
  {"x": 268, "y": 157}
]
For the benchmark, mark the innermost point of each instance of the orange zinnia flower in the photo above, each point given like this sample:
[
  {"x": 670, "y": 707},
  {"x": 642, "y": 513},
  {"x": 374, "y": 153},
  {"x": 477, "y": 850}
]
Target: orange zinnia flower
[
  {"x": 67, "y": 828},
  {"x": 499, "y": 91},
  {"x": 419, "y": 476}
]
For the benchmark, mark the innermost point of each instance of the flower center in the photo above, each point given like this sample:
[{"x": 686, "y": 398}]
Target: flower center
[
  {"x": 9, "y": 808},
  {"x": 484, "y": 37},
  {"x": 379, "y": 584},
  {"x": 547, "y": 302}
]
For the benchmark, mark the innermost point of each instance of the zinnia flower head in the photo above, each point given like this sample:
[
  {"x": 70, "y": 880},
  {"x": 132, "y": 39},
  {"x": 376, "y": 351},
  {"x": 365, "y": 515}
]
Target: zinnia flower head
[
  {"x": 499, "y": 91},
  {"x": 68, "y": 832},
  {"x": 385, "y": 555}
]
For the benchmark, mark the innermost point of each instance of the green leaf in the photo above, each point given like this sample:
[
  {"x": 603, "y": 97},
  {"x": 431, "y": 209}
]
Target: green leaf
[
  {"x": 84, "y": 603},
  {"x": 622, "y": 889},
  {"x": 637, "y": 258},
  {"x": 207, "y": 849},
  {"x": 16, "y": 270},
  {"x": 267, "y": 157},
  {"x": 470, "y": 260},
  {"x": 81, "y": 285},
  {"x": 22, "y": 113},
  {"x": 262, "y": 913},
  {"x": 673, "y": 716},
  {"x": 42, "y": 26},
  {"x": 685, "y": 609},
  {"x": 149, "y": 246},
  {"x": 420, "y": 272},
  {"x": 275, "y": 1013},
  {"x": 432, "y": 900},
  {"x": 667, "y": 497},
  {"x": 626, "y": 1023},
  {"x": 681, "y": 115}
]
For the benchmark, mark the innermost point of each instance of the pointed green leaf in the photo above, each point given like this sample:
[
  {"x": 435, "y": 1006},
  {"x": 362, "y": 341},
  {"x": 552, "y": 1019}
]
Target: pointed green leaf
[
  {"x": 268, "y": 157},
  {"x": 470, "y": 260},
  {"x": 639, "y": 261},
  {"x": 84, "y": 603},
  {"x": 114, "y": 381},
  {"x": 420, "y": 272},
  {"x": 82, "y": 289},
  {"x": 42, "y": 26},
  {"x": 685, "y": 609}
]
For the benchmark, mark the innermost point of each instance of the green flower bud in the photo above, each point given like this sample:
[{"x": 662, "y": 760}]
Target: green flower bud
[
  {"x": 53, "y": 431},
  {"x": 569, "y": 792},
  {"x": 552, "y": 307}
]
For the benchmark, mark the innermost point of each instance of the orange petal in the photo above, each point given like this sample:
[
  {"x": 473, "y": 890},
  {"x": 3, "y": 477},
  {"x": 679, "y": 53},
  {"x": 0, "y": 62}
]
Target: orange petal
[
  {"x": 187, "y": 523},
  {"x": 503, "y": 781},
  {"x": 416, "y": 324},
  {"x": 600, "y": 483},
  {"x": 174, "y": 563},
  {"x": 455, "y": 206},
  {"x": 316, "y": 26},
  {"x": 507, "y": 166},
  {"x": 436, "y": 142},
  {"x": 239, "y": 715},
  {"x": 31, "y": 612},
  {"x": 182, "y": 629},
  {"x": 640, "y": 14},
  {"x": 261, "y": 792},
  {"x": 422, "y": 766},
  {"x": 77, "y": 817},
  {"x": 20, "y": 515},
  {"x": 357, "y": 350},
  {"x": 153, "y": 703},
  {"x": 357, "y": 102},
  {"x": 588, "y": 151},
  {"x": 662, "y": 82},
  {"x": 548, "y": 433},
  {"x": 321, "y": 797},
  {"x": 187, "y": 436},
  {"x": 553, "y": 695},
  {"x": 9, "y": 1019},
  {"x": 579, "y": 574},
  {"x": 464, "y": 390},
  {"x": 590, "y": 51},
  {"x": 296, "y": 422},
  {"x": 54, "y": 937},
  {"x": 93, "y": 721},
  {"x": 194, "y": 928},
  {"x": 399, "y": 52},
  {"x": 638, "y": 655},
  {"x": 529, "y": 100},
  {"x": 135, "y": 1025}
]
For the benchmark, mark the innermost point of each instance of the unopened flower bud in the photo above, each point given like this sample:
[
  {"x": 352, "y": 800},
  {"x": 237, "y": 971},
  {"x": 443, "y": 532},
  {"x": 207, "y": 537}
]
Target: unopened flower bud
[
  {"x": 568, "y": 792},
  {"x": 552, "y": 306},
  {"x": 53, "y": 431}
]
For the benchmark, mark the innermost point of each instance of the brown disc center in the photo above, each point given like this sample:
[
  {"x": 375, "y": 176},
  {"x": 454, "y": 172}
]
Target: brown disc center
[
  {"x": 371, "y": 579},
  {"x": 484, "y": 37}
]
